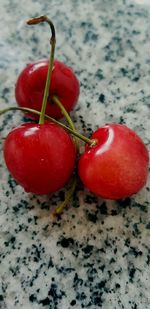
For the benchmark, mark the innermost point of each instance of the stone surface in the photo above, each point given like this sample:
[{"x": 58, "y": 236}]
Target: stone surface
[{"x": 97, "y": 255}]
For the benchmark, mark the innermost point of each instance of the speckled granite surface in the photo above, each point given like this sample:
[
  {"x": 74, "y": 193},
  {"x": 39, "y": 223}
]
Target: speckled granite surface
[{"x": 98, "y": 253}]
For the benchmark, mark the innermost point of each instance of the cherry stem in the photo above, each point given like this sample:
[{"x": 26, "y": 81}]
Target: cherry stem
[
  {"x": 59, "y": 209},
  {"x": 66, "y": 115},
  {"x": 63, "y": 110},
  {"x": 34, "y": 21},
  {"x": 91, "y": 142}
]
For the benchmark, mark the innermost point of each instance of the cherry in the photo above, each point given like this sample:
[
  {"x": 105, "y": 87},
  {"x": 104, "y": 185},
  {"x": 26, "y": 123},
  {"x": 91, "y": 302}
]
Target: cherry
[
  {"x": 117, "y": 166},
  {"x": 31, "y": 82},
  {"x": 49, "y": 81},
  {"x": 41, "y": 158}
]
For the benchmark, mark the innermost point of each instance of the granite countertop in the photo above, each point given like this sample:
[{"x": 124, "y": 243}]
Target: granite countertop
[{"x": 98, "y": 253}]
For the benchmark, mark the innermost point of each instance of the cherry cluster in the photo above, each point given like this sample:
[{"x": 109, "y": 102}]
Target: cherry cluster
[{"x": 43, "y": 156}]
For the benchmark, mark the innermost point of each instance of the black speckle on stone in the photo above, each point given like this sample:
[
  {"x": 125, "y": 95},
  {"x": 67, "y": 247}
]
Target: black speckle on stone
[
  {"x": 1, "y": 298},
  {"x": 85, "y": 87},
  {"x": 91, "y": 273},
  {"x": 12, "y": 239},
  {"x": 36, "y": 252},
  {"x": 124, "y": 203},
  {"x": 102, "y": 250},
  {"x": 77, "y": 282},
  {"x": 88, "y": 104},
  {"x": 118, "y": 271},
  {"x": 99, "y": 74},
  {"x": 6, "y": 120},
  {"x": 101, "y": 284},
  {"x": 45, "y": 302},
  {"x": 32, "y": 298},
  {"x": 117, "y": 286},
  {"x": 112, "y": 260},
  {"x": 148, "y": 226},
  {"x": 87, "y": 249},
  {"x": 102, "y": 98},
  {"x": 21, "y": 206},
  {"x": 53, "y": 291},
  {"x": 45, "y": 228},
  {"x": 114, "y": 212},
  {"x": 108, "y": 242},
  {"x": 127, "y": 242},
  {"x": 92, "y": 217},
  {"x": 124, "y": 71},
  {"x": 80, "y": 296},
  {"x": 7, "y": 193},
  {"x": 135, "y": 79},
  {"x": 65, "y": 270},
  {"x": 115, "y": 250},
  {"x": 90, "y": 199},
  {"x": 148, "y": 260},
  {"x": 10, "y": 242},
  {"x": 130, "y": 110},
  {"x": 35, "y": 220},
  {"x": 96, "y": 298},
  {"x": 66, "y": 242},
  {"x": 90, "y": 36},
  {"x": 85, "y": 24},
  {"x": 121, "y": 120},
  {"x": 12, "y": 183},
  {"x": 16, "y": 208},
  {"x": 5, "y": 90},
  {"x": 134, "y": 306},
  {"x": 136, "y": 230},
  {"x": 102, "y": 267},
  {"x": 132, "y": 271},
  {"x": 44, "y": 205},
  {"x": 34, "y": 39},
  {"x": 73, "y": 302},
  {"x": 55, "y": 294},
  {"x": 50, "y": 263},
  {"x": 61, "y": 195},
  {"x": 103, "y": 209},
  {"x": 5, "y": 93},
  {"x": 141, "y": 207}
]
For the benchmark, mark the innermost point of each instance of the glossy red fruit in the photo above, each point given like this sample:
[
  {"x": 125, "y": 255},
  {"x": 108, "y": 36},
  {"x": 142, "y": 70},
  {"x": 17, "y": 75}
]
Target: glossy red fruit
[
  {"x": 31, "y": 83},
  {"x": 117, "y": 166},
  {"x": 41, "y": 158}
]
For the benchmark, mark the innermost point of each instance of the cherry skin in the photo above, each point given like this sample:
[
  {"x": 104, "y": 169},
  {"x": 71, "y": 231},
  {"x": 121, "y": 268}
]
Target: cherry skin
[
  {"x": 41, "y": 158},
  {"x": 30, "y": 86},
  {"x": 117, "y": 166}
]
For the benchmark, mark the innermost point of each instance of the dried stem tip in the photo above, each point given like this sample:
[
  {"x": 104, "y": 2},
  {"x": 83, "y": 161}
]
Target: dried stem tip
[
  {"x": 41, "y": 19},
  {"x": 37, "y": 20}
]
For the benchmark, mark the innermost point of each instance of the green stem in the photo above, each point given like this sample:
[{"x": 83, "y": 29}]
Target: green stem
[
  {"x": 64, "y": 112},
  {"x": 59, "y": 209},
  {"x": 48, "y": 80},
  {"x": 51, "y": 61},
  {"x": 66, "y": 115},
  {"x": 72, "y": 132}
]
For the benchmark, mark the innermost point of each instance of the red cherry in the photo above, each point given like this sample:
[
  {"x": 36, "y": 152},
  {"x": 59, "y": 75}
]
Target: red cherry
[
  {"x": 40, "y": 157},
  {"x": 117, "y": 166},
  {"x": 31, "y": 83}
]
